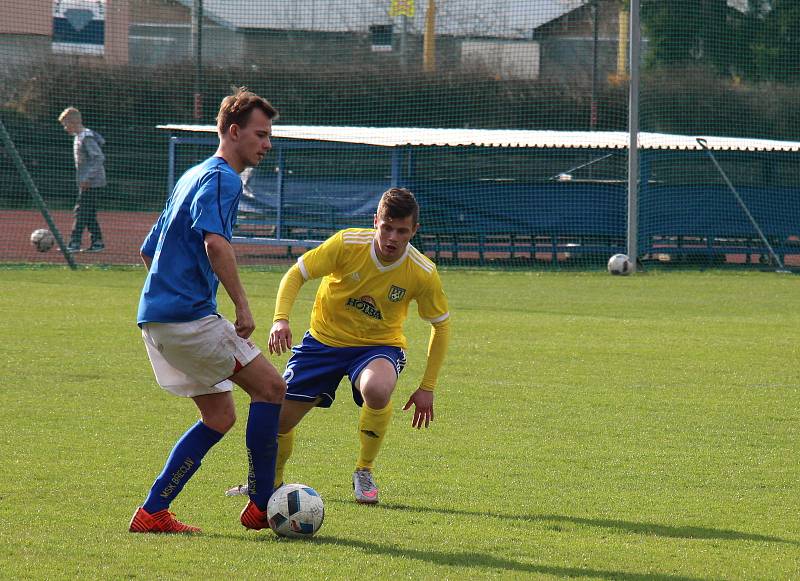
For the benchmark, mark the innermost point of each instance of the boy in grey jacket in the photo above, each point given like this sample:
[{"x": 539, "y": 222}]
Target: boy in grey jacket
[{"x": 90, "y": 174}]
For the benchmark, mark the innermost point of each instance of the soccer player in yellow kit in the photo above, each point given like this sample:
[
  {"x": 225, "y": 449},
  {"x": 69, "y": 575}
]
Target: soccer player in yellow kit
[{"x": 369, "y": 277}]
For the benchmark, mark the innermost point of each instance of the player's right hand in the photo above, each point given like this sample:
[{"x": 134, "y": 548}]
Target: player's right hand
[
  {"x": 280, "y": 337},
  {"x": 244, "y": 324}
]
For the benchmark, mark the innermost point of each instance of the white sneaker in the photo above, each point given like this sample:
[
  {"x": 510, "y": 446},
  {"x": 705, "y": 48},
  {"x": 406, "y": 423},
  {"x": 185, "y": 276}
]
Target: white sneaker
[
  {"x": 240, "y": 490},
  {"x": 364, "y": 487}
]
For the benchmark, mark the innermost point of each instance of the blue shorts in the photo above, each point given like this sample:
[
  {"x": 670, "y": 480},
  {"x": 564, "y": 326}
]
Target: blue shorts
[{"x": 314, "y": 370}]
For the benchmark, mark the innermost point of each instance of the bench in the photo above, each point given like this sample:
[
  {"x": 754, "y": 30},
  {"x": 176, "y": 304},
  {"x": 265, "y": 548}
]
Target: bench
[
  {"x": 548, "y": 221},
  {"x": 705, "y": 223}
]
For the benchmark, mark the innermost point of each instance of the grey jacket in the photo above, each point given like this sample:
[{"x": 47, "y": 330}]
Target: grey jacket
[{"x": 89, "y": 158}]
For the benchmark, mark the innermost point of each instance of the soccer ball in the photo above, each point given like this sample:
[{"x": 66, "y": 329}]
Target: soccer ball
[
  {"x": 42, "y": 239},
  {"x": 620, "y": 264},
  {"x": 295, "y": 510}
]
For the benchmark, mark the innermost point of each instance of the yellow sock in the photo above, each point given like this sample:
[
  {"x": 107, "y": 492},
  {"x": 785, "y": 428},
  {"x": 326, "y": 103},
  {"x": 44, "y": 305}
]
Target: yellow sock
[
  {"x": 285, "y": 446},
  {"x": 372, "y": 427}
]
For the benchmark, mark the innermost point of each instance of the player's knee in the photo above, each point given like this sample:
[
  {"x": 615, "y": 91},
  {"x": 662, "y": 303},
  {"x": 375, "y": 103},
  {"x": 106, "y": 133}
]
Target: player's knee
[
  {"x": 271, "y": 389},
  {"x": 221, "y": 421},
  {"x": 276, "y": 389},
  {"x": 377, "y": 394}
]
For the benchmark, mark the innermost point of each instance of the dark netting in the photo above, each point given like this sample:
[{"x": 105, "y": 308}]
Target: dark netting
[{"x": 536, "y": 176}]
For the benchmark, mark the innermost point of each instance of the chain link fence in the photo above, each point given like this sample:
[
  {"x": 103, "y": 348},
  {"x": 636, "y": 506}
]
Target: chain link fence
[{"x": 508, "y": 119}]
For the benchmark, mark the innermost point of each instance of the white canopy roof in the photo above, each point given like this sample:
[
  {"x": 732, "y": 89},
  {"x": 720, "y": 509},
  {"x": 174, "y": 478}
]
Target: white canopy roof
[{"x": 400, "y": 136}]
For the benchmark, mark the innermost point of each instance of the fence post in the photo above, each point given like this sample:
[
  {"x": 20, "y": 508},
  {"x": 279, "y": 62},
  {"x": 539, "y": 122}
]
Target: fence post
[
  {"x": 633, "y": 135},
  {"x": 34, "y": 191}
]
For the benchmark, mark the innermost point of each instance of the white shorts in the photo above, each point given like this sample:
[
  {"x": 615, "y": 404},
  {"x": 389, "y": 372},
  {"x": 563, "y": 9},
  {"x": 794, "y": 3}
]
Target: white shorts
[{"x": 198, "y": 357}]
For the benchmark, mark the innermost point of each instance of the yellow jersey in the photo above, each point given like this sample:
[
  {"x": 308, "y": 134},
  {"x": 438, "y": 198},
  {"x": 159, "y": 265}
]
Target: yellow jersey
[{"x": 362, "y": 301}]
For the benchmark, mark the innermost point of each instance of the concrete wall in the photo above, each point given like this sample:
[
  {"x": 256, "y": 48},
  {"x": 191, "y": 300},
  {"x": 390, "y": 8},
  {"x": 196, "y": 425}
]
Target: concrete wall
[
  {"x": 117, "y": 22},
  {"x": 26, "y": 29},
  {"x": 33, "y": 17},
  {"x": 19, "y": 49},
  {"x": 153, "y": 44}
]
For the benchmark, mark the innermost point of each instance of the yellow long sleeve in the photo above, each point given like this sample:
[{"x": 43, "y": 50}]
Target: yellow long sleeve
[
  {"x": 437, "y": 348},
  {"x": 287, "y": 293}
]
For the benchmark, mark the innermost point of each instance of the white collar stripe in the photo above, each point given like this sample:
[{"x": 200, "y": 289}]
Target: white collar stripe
[
  {"x": 420, "y": 258},
  {"x": 419, "y": 254},
  {"x": 427, "y": 268}
]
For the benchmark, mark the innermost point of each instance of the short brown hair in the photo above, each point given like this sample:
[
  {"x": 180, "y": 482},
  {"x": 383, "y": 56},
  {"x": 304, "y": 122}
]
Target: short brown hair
[
  {"x": 398, "y": 203},
  {"x": 70, "y": 113},
  {"x": 236, "y": 109}
]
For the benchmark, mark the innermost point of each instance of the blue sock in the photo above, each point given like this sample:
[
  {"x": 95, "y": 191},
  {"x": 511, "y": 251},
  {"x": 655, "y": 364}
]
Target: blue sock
[
  {"x": 262, "y": 449},
  {"x": 183, "y": 462}
]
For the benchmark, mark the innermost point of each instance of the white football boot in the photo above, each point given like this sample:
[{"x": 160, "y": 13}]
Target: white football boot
[{"x": 364, "y": 487}]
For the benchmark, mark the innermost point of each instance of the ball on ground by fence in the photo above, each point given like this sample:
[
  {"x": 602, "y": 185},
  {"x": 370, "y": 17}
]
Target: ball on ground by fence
[
  {"x": 42, "y": 239},
  {"x": 620, "y": 264}
]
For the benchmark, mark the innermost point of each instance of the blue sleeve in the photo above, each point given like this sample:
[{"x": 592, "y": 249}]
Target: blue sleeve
[
  {"x": 214, "y": 207},
  {"x": 151, "y": 241}
]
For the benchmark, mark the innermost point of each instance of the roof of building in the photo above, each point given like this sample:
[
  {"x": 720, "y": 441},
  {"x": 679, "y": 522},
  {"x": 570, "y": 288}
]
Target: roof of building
[
  {"x": 421, "y": 136},
  {"x": 501, "y": 18}
]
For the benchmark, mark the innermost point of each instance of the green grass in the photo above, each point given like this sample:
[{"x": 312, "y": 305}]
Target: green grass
[{"x": 587, "y": 426}]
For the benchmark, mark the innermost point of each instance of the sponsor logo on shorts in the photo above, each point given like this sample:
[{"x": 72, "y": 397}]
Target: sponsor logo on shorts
[
  {"x": 396, "y": 293},
  {"x": 366, "y": 305}
]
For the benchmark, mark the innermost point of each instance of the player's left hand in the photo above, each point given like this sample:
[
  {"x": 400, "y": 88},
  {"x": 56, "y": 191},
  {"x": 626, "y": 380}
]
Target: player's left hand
[
  {"x": 84, "y": 186},
  {"x": 423, "y": 407}
]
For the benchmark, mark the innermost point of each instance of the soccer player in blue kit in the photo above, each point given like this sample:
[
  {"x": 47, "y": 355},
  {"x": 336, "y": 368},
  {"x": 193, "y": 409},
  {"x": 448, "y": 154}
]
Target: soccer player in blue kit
[{"x": 194, "y": 351}]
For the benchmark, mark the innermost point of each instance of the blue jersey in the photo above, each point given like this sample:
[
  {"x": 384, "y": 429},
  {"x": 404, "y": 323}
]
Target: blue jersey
[{"x": 181, "y": 286}]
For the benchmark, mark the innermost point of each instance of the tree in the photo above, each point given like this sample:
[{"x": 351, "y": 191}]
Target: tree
[
  {"x": 775, "y": 40},
  {"x": 757, "y": 40},
  {"x": 694, "y": 32}
]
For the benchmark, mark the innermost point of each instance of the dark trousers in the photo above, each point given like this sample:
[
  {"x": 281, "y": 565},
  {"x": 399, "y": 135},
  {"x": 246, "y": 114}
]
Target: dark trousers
[{"x": 86, "y": 216}]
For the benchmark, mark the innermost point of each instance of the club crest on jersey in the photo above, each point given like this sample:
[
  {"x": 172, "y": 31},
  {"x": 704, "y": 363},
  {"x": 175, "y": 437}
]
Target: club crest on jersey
[
  {"x": 366, "y": 305},
  {"x": 396, "y": 293}
]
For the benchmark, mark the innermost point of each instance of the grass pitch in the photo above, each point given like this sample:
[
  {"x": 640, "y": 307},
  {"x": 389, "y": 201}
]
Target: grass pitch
[{"x": 586, "y": 426}]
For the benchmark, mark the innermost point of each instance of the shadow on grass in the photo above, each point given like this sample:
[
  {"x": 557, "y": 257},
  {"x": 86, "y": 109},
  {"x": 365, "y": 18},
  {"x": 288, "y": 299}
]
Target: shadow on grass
[
  {"x": 486, "y": 561},
  {"x": 460, "y": 558},
  {"x": 673, "y": 532}
]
